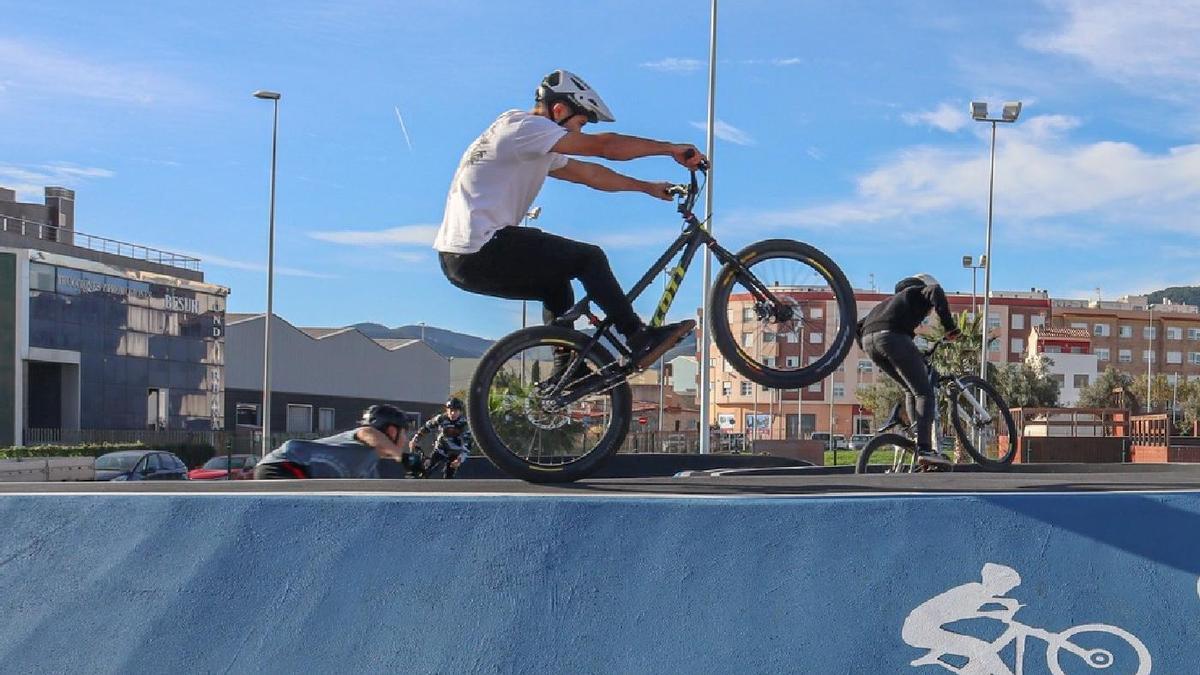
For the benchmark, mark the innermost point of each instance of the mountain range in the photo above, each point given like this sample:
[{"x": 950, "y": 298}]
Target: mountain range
[{"x": 449, "y": 343}]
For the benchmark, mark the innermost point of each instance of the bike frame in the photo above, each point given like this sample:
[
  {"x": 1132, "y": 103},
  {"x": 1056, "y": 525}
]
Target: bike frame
[{"x": 689, "y": 241}]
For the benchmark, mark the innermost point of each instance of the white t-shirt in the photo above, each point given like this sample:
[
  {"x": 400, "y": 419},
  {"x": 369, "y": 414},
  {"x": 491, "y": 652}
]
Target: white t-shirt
[{"x": 497, "y": 180}]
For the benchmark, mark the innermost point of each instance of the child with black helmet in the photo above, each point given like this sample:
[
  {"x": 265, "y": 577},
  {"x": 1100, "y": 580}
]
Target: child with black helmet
[{"x": 453, "y": 443}]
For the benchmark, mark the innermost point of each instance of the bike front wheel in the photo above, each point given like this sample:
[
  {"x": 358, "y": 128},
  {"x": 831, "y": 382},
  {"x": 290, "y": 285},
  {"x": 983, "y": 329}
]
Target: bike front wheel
[
  {"x": 783, "y": 314},
  {"x": 887, "y": 453},
  {"x": 1099, "y": 646},
  {"x": 536, "y": 431},
  {"x": 982, "y": 422}
]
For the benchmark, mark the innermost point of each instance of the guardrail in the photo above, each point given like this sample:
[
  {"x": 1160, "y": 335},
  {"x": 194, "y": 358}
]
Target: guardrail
[{"x": 73, "y": 237}]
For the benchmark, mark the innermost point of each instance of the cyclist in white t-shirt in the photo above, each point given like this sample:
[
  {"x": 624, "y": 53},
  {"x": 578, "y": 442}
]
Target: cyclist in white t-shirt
[{"x": 483, "y": 250}]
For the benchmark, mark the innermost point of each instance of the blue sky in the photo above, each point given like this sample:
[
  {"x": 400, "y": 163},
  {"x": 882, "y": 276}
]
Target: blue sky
[{"x": 841, "y": 124}]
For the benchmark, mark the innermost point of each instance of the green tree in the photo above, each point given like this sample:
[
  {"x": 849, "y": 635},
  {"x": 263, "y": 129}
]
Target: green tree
[
  {"x": 535, "y": 372},
  {"x": 1102, "y": 392},
  {"x": 880, "y": 398},
  {"x": 1027, "y": 385},
  {"x": 1188, "y": 398},
  {"x": 1160, "y": 398}
]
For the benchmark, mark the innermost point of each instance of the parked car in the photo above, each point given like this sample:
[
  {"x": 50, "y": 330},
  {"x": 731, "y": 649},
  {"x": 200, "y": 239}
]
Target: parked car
[
  {"x": 140, "y": 465},
  {"x": 859, "y": 441},
  {"x": 839, "y": 441},
  {"x": 221, "y": 467}
]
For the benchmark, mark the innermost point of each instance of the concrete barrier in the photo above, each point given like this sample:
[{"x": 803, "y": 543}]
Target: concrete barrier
[
  {"x": 370, "y": 583},
  {"x": 47, "y": 469}
]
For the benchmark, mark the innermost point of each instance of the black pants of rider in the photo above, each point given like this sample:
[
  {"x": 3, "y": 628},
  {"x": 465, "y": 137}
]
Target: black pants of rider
[
  {"x": 444, "y": 461},
  {"x": 525, "y": 263},
  {"x": 897, "y": 355},
  {"x": 281, "y": 471}
]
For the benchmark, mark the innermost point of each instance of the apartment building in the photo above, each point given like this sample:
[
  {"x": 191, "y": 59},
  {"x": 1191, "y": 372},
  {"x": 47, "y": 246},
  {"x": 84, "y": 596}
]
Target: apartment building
[
  {"x": 741, "y": 406},
  {"x": 1072, "y": 362},
  {"x": 1136, "y": 337}
]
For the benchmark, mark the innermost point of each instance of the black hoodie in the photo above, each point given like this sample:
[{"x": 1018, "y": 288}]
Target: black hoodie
[{"x": 905, "y": 310}]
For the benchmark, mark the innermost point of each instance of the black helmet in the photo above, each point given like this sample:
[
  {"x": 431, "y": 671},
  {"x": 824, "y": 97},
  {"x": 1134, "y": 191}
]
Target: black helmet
[
  {"x": 382, "y": 415},
  {"x": 455, "y": 403},
  {"x": 916, "y": 281}
]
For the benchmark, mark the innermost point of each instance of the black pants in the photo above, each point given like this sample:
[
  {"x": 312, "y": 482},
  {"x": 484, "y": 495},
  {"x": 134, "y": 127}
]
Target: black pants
[
  {"x": 440, "y": 459},
  {"x": 281, "y": 470},
  {"x": 897, "y": 355},
  {"x": 524, "y": 263}
]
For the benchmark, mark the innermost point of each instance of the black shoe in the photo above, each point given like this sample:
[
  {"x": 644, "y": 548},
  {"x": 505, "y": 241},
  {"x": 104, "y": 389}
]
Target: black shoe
[{"x": 649, "y": 343}]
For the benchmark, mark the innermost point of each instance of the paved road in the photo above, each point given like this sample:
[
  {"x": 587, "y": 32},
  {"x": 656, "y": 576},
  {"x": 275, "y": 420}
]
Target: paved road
[{"x": 811, "y": 481}]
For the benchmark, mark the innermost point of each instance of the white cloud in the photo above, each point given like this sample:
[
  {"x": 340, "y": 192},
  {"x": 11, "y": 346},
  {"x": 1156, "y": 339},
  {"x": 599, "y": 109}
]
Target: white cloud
[
  {"x": 1143, "y": 43},
  {"x": 675, "y": 65},
  {"x": 727, "y": 132},
  {"x": 29, "y": 182},
  {"x": 1037, "y": 177},
  {"x": 1049, "y": 126},
  {"x": 947, "y": 117},
  {"x": 405, "y": 234},
  {"x": 36, "y": 68}
]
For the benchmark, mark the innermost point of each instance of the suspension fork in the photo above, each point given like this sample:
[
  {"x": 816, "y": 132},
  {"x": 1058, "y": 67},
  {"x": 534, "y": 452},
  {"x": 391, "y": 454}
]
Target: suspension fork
[
  {"x": 981, "y": 413},
  {"x": 759, "y": 290}
]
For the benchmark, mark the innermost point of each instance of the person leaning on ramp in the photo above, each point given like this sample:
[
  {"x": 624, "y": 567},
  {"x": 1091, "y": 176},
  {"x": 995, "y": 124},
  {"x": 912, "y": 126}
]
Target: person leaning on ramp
[{"x": 350, "y": 454}]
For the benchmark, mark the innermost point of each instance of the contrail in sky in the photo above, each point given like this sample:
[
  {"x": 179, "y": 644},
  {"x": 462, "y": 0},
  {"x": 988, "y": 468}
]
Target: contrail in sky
[{"x": 403, "y": 128}]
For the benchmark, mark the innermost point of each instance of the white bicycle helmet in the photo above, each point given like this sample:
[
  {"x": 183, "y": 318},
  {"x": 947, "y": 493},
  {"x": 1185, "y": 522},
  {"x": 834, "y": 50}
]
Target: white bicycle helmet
[
  {"x": 916, "y": 281},
  {"x": 563, "y": 85}
]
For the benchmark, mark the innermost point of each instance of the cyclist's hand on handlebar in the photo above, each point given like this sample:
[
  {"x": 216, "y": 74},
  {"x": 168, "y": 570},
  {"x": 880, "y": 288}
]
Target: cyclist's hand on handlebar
[
  {"x": 660, "y": 189},
  {"x": 687, "y": 155}
]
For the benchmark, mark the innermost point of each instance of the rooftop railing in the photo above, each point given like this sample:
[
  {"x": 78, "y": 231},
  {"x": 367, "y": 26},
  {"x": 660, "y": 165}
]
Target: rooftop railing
[{"x": 45, "y": 232}]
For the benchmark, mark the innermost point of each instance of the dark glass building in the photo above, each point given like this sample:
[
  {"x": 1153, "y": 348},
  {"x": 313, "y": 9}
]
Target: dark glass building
[{"x": 92, "y": 339}]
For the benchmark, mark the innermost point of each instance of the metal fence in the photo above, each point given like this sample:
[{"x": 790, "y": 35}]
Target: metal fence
[
  {"x": 220, "y": 441},
  {"x": 44, "y": 231}
]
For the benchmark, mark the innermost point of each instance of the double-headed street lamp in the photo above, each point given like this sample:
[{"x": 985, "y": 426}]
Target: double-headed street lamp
[
  {"x": 969, "y": 263},
  {"x": 266, "y": 400},
  {"x": 979, "y": 113}
]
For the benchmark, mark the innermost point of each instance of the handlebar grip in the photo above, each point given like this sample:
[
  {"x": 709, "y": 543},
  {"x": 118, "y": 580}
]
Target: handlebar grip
[{"x": 690, "y": 153}]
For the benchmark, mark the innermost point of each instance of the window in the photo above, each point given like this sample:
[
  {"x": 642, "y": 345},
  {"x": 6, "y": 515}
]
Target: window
[
  {"x": 727, "y": 388},
  {"x": 1037, "y": 320},
  {"x": 1101, "y": 330},
  {"x": 1081, "y": 381},
  {"x": 1194, "y": 333},
  {"x": 728, "y": 367},
  {"x": 793, "y": 337},
  {"x": 325, "y": 420},
  {"x": 748, "y": 314},
  {"x": 1124, "y": 356},
  {"x": 1194, "y": 358},
  {"x": 1079, "y": 325},
  {"x": 1126, "y": 331},
  {"x": 865, "y": 366},
  {"x": 1147, "y": 356},
  {"x": 1053, "y": 349},
  {"x": 815, "y": 387},
  {"x": 769, "y": 361},
  {"x": 816, "y": 338},
  {"x": 993, "y": 320},
  {"x": 747, "y": 389},
  {"x": 1017, "y": 322},
  {"x": 41, "y": 277},
  {"x": 839, "y": 390},
  {"x": 1174, "y": 333},
  {"x": 994, "y": 346},
  {"x": 1016, "y": 345},
  {"x": 816, "y": 313},
  {"x": 246, "y": 414},
  {"x": 747, "y": 339},
  {"x": 1059, "y": 378},
  {"x": 299, "y": 418},
  {"x": 1101, "y": 354},
  {"x": 1174, "y": 357},
  {"x": 1149, "y": 332},
  {"x": 769, "y": 337},
  {"x": 792, "y": 361}
]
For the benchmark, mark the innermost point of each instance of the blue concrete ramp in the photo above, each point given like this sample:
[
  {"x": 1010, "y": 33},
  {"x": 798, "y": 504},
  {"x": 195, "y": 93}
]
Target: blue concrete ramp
[{"x": 413, "y": 584}]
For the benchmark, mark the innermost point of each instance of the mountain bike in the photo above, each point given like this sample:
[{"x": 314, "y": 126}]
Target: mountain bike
[
  {"x": 1091, "y": 645},
  {"x": 564, "y": 430},
  {"x": 978, "y": 413}
]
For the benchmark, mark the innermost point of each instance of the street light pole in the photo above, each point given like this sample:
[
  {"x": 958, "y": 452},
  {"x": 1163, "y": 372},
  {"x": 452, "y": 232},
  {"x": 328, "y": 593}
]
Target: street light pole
[
  {"x": 979, "y": 113},
  {"x": 1149, "y": 358},
  {"x": 266, "y": 396},
  {"x": 705, "y": 320}
]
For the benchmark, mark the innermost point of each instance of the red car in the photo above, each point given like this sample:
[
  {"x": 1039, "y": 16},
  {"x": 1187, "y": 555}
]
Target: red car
[{"x": 233, "y": 467}]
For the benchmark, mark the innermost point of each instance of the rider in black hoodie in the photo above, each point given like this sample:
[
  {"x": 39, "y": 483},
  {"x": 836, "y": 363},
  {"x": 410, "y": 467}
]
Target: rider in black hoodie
[{"x": 887, "y": 335}]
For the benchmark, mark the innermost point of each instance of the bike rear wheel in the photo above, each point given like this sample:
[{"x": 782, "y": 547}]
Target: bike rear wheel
[
  {"x": 783, "y": 315},
  {"x": 542, "y": 438},
  {"x": 991, "y": 439},
  {"x": 886, "y": 453}
]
